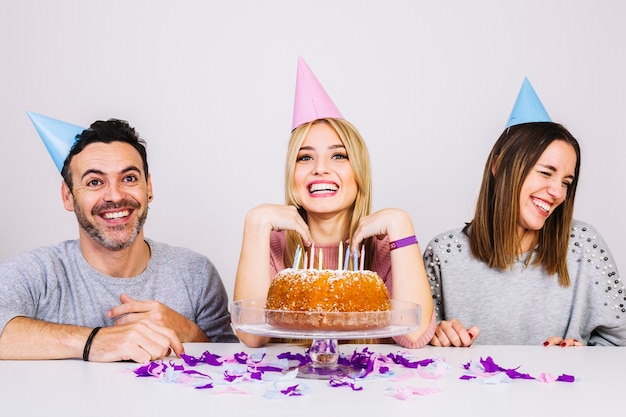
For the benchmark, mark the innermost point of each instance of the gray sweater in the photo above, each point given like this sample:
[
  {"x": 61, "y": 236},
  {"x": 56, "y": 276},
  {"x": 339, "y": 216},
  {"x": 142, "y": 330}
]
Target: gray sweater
[
  {"x": 525, "y": 306},
  {"x": 56, "y": 284}
]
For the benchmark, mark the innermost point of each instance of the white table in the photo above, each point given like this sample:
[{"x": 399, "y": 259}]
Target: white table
[{"x": 76, "y": 388}]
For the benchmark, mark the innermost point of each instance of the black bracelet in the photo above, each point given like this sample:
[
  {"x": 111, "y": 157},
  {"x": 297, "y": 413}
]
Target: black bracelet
[{"x": 88, "y": 343}]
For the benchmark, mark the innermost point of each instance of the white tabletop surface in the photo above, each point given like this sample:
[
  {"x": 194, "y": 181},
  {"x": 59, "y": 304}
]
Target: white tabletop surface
[{"x": 77, "y": 388}]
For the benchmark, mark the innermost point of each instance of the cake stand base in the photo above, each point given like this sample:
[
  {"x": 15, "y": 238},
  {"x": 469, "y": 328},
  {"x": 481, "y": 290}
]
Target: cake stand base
[
  {"x": 311, "y": 371},
  {"x": 324, "y": 354}
]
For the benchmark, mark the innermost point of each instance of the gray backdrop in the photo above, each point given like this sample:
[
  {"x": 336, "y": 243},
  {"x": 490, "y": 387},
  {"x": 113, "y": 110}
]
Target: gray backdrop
[{"x": 210, "y": 84}]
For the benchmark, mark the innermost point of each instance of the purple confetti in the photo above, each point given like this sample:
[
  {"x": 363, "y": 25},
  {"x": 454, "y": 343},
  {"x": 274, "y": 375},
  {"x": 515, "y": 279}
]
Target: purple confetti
[
  {"x": 291, "y": 391},
  {"x": 207, "y": 358},
  {"x": 566, "y": 378},
  {"x": 194, "y": 372},
  {"x": 365, "y": 361},
  {"x": 299, "y": 357},
  {"x": 401, "y": 360},
  {"x": 343, "y": 382},
  {"x": 490, "y": 367}
]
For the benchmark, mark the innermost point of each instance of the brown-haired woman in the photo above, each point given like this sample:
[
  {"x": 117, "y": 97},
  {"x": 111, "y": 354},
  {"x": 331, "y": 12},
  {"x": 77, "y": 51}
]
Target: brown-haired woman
[{"x": 523, "y": 271}]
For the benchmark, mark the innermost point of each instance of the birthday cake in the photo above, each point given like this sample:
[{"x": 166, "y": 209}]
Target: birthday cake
[{"x": 313, "y": 299}]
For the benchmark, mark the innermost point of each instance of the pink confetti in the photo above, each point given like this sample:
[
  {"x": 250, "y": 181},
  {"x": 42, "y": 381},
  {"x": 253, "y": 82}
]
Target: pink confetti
[
  {"x": 404, "y": 393},
  {"x": 544, "y": 377},
  {"x": 232, "y": 390},
  {"x": 438, "y": 372}
]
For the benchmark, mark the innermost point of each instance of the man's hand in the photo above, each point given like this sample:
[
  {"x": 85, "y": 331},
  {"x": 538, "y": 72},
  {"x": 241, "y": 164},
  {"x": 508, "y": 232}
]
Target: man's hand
[
  {"x": 139, "y": 341},
  {"x": 132, "y": 311}
]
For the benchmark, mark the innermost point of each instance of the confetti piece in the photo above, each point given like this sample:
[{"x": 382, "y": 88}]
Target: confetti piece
[
  {"x": 221, "y": 373},
  {"x": 344, "y": 381},
  {"x": 404, "y": 393},
  {"x": 566, "y": 378},
  {"x": 488, "y": 372},
  {"x": 280, "y": 391}
]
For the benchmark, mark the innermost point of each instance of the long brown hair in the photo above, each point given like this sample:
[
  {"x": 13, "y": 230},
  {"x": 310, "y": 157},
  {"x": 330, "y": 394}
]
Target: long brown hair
[{"x": 492, "y": 232}]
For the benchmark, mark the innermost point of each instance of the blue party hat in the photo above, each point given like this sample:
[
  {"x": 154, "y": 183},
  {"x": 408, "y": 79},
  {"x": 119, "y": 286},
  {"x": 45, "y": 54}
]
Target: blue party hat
[
  {"x": 528, "y": 107},
  {"x": 58, "y": 136}
]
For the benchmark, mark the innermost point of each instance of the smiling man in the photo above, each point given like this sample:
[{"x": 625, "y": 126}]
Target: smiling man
[{"x": 112, "y": 294}]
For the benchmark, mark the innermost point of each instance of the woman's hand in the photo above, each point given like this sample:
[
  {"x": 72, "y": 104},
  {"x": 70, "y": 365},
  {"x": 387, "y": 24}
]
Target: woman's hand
[
  {"x": 453, "y": 333},
  {"x": 559, "y": 341},
  {"x": 392, "y": 222},
  {"x": 278, "y": 217},
  {"x": 253, "y": 277}
]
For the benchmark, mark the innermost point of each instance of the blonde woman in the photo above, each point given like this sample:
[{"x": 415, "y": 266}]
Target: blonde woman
[{"x": 328, "y": 193}]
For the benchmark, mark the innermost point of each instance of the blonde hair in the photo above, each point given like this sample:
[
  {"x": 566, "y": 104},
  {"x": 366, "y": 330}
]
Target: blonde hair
[
  {"x": 358, "y": 156},
  {"x": 493, "y": 230}
]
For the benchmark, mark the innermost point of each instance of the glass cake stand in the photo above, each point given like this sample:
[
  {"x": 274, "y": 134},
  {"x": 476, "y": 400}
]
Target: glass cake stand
[{"x": 251, "y": 316}]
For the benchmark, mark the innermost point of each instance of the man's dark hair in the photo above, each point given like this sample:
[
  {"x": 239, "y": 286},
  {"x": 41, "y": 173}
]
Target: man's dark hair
[{"x": 112, "y": 130}]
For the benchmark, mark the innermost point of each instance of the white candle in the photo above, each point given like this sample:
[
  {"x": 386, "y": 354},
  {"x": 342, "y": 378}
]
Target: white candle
[
  {"x": 362, "y": 257},
  {"x": 312, "y": 255},
  {"x": 320, "y": 260},
  {"x": 340, "y": 261}
]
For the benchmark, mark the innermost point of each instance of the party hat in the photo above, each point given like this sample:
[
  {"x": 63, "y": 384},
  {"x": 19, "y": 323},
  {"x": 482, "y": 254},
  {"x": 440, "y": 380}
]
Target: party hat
[
  {"x": 528, "y": 107},
  {"x": 58, "y": 136},
  {"x": 311, "y": 102}
]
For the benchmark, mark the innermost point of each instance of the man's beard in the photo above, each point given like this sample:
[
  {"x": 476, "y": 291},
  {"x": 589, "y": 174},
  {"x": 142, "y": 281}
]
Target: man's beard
[{"x": 100, "y": 234}]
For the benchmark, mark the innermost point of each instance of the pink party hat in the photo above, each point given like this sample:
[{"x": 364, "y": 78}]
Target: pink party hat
[
  {"x": 58, "y": 136},
  {"x": 528, "y": 107},
  {"x": 311, "y": 102}
]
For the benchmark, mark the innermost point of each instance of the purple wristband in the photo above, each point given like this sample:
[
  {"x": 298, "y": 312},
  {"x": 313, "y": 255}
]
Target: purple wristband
[{"x": 400, "y": 243}]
